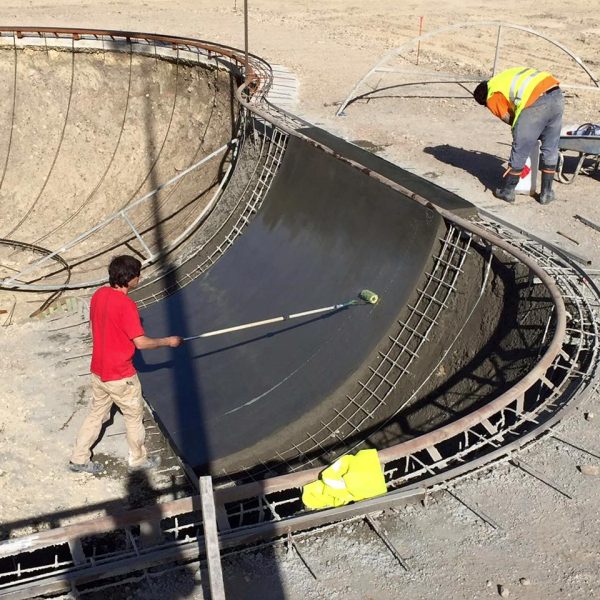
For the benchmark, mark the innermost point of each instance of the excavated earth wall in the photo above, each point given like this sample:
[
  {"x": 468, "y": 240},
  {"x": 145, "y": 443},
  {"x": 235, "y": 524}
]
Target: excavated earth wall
[{"x": 84, "y": 134}]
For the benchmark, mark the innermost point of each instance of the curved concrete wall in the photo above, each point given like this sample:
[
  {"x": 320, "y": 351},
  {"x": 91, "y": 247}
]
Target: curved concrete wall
[{"x": 324, "y": 233}]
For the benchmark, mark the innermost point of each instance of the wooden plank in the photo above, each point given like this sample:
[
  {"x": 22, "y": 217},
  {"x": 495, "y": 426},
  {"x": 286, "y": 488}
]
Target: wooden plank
[{"x": 211, "y": 539}]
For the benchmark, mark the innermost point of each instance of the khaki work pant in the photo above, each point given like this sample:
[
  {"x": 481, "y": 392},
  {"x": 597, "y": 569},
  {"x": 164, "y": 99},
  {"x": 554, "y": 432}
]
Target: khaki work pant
[{"x": 127, "y": 395}]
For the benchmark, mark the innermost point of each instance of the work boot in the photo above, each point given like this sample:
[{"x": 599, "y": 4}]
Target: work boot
[
  {"x": 95, "y": 468},
  {"x": 547, "y": 194},
  {"x": 150, "y": 463},
  {"x": 507, "y": 191}
]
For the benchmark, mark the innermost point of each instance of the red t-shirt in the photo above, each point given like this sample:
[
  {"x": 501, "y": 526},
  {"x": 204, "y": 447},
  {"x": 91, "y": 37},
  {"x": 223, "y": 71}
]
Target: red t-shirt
[{"x": 115, "y": 323}]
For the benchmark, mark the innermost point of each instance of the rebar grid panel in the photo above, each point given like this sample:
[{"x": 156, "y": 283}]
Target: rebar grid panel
[
  {"x": 525, "y": 417},
  {"x": 577, "y": 289},
  {"x": 571, "y": 371},
  {"x": 252, "y": 197}
]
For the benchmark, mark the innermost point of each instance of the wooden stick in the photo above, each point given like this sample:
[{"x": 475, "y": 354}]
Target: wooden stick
[
  {"x": 568, "y": 237},
  {"x": 211, "y": 540},
  {"x": 587, "y": 222},
  {"x": 419, "y": 42}
]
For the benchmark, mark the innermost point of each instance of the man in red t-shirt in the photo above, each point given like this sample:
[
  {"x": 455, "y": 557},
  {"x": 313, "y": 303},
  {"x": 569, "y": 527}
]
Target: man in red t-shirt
[{"x": 116, "y": 333}]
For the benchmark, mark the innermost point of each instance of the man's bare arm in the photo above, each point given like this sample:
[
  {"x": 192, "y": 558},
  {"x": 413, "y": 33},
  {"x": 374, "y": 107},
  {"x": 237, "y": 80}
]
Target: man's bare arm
[{"x": 144, "y": 342}]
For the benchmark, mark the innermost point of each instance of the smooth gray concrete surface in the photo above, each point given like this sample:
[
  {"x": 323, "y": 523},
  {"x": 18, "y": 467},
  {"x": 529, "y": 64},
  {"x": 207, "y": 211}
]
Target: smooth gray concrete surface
[
  {"x": 434, "y": 193},
  {"x": 325, "y": 232}
]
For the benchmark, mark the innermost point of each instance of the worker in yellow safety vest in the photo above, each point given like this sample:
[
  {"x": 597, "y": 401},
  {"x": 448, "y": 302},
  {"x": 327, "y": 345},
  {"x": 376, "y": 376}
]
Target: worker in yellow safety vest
[
  {"x": 532, "y": 103},
  {"x": 349, "y": 479}
]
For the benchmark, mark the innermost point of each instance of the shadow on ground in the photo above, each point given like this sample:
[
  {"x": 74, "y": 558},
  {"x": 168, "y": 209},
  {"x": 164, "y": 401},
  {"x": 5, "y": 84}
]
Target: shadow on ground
[{"x": 487, "y": 168}]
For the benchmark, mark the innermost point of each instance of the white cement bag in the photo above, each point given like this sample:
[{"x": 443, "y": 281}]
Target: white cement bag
[{"x": 529, "y": 176}]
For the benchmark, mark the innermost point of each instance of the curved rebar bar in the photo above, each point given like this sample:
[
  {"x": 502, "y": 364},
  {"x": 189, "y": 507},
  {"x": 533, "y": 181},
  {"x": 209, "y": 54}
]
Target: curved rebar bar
[
  {"x": 165, "y": 201},
  {"x": 56, "y": 154},
  {"x": 164, "y": 141},
  {"x": 45, "y": 252},
  {"x": 12, "y": 118},
  {"x": 87, "y": 201}
]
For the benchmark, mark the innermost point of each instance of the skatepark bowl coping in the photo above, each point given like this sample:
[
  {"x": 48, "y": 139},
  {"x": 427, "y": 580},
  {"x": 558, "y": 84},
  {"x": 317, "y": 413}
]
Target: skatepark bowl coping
[{"x": 151, "y": 145}]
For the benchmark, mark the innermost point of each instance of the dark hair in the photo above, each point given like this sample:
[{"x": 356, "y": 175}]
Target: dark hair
[
  {"x": 122, "y": 270},
  {"x": 480, "y": 93}
]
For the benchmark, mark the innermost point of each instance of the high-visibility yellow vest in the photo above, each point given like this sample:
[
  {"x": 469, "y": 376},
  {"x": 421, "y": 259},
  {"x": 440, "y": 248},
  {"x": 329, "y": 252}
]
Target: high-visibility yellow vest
[
  {"x": 516, "y": 85},
  {"x": 349, "y": 479}
]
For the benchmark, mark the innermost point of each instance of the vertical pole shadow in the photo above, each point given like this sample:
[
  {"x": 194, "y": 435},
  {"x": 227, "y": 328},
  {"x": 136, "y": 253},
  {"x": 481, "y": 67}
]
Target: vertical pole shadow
[
  {"x": 185, "y": 382},
  {"x": 182, "y": 379}
]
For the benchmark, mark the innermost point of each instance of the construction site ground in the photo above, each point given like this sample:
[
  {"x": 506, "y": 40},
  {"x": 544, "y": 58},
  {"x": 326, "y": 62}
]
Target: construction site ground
[{"x": 538, "y": 540}]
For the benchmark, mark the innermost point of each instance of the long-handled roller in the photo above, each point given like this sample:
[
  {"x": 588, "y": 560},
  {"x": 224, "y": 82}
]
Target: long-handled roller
[{"x": 366, "y": 295}]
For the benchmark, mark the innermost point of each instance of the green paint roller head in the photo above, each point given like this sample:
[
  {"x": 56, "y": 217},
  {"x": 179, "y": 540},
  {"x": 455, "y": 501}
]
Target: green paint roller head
[{"x": 369, "y": 296}]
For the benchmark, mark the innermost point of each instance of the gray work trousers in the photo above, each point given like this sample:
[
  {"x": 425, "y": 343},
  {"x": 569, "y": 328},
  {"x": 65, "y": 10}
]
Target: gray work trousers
[{"x": 540, "y": 121}]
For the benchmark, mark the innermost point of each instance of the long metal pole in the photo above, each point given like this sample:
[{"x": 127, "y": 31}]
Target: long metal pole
[
  {"x": 246, "y": 37},
  {"x": 305, "y": 313},
  {"x": 497, "y": 53}
]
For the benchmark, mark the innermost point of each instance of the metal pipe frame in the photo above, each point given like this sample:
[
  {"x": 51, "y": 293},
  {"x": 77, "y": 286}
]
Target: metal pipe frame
[
  {"x": 13, "y": 282},
  {"x": 379, "y": 67}
]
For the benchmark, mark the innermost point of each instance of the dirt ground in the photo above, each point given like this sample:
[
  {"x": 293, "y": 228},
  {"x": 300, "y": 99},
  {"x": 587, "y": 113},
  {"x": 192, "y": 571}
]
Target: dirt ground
[{"x": 551, "y": 541}]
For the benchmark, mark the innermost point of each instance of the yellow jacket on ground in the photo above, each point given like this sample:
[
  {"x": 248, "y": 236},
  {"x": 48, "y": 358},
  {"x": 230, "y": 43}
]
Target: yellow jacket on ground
[{"x": 349, "y": 479}]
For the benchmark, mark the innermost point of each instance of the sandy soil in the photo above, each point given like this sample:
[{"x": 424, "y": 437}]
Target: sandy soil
[{"x": 327, "y": 45}]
